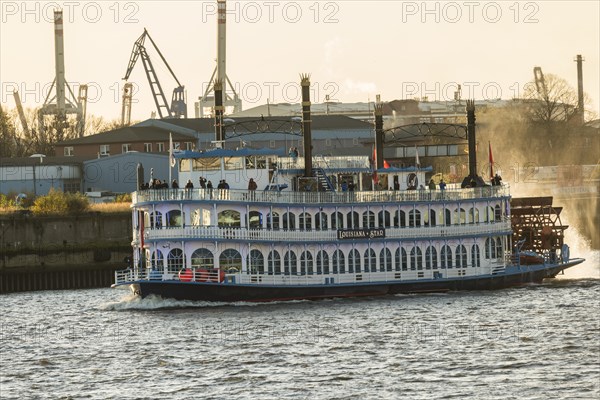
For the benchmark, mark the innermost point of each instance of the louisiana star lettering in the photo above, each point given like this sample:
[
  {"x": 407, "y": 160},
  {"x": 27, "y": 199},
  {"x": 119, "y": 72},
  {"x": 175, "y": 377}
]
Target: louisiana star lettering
[{"x": 360, "y": 234}]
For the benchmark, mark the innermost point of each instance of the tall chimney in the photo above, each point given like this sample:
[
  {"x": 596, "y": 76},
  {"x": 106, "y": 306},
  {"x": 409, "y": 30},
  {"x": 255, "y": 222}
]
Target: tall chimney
[
  {"x": 306, "y": 124},
  {"x": 580, "y": 105},
  {"x": 221, "y": 42},
  {"x": 59, "y": 58},
  {"x": 472, "y": 140},
  {"x": 219, "y": 111},
  {"x": 378, "y": 136}
]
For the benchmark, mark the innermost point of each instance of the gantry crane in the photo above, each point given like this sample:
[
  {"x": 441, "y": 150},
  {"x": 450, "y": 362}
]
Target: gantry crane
[{"x": 178, "y": 108}]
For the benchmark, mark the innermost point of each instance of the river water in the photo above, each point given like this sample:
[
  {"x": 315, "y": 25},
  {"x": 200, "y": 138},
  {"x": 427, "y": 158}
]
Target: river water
[{"x": 536, "y": 342}]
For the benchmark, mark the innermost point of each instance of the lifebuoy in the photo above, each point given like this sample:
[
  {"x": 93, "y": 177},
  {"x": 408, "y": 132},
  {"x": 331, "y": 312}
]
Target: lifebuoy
[{"x": 186, "y": 275}]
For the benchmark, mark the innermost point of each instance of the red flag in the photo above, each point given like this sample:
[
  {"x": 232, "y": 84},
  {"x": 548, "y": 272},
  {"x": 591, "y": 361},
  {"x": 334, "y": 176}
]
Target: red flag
[
  {"x": 491, "y": 161},
  {"x": 385, "y": 163}
]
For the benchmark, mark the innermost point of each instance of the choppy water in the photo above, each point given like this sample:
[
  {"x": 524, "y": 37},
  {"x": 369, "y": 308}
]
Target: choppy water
[{"x": 537, "y": 342}]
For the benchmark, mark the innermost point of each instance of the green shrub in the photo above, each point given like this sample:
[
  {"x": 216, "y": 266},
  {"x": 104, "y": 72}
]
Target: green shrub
[
  {"x": 123, "y": 198},
  {"x": 56, "y": 202}
]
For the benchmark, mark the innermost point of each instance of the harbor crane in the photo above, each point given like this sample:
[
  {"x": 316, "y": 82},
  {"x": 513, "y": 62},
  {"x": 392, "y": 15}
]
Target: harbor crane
[{"x": 178, "y": 107}]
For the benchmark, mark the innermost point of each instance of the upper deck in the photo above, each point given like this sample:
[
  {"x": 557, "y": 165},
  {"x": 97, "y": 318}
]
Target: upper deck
[{"x": 319, "y": 198}]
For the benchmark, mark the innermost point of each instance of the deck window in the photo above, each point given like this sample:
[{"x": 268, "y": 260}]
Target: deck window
[
  {"x": 414, "y": 218},
  {"x": 370, "y": 261},
  {"x": 230, "y": 260},
  {"x": 416, "y": 259},
  {"x": 475, "y": 256},
  {"x": 337, "y": 220},
  {"x": 384, "y": 219},
  {"x": 401, "y": 259},
  {"x": 354, "y": 261},
  {"x": 175, "y": 218},
  {"x": 339, "y": 262},
  {"x": 385, "y": 260},
  {"x": 353, "y": 220},
  {"x": 290, "y": 263},
  {"x": 255, "y": 262},
  {"x": 157, "y": 260},
  {"x": 321, "y": 221},
  {"x": 175, "y": 261},
  {"x": 461, "y": 256},
  {"x": 399, "y": 219},
  {"x": 305, "y": 221},
  {"x": 368, "y": 219},
  {"x": 289, "y": 221},
  {"x": 274, "y": 263},
  {"x": 306, "y": 263},
  {"x": 229, "y": 218},
  {"x": 273, "y": 221},
  {"x": 322, "y": 262},
  {"x": 446, "y": 257},
  {"x": 203, "y": 258},
  {"x": 431, "y": 258}
]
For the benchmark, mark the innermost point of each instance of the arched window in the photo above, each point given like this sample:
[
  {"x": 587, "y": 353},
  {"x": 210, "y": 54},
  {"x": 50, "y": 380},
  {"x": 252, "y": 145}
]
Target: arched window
[
  {"x": 255, "y": 262},
  {"x": 489, "y": 211},
  {"x": 289, "y": 221},
  {"x": 431, "y": 258},
  {"x": 401, "y": 259},
  {"x": 337, "y": 220},
  {"x": 354, "y": 261},
  {"x": 306, "y": 263},
  {"x": 203, "y": 258},
  {"x": 497, "y": 213},
  {"x": 475, "y": 256},
  {"x": 174, "y": 218},
  {"x": 175, "y": 260},
  {"x": 229, "y": 218},
  {"x": 399, "y": 219},
  {"x": 321, "y": 221},
  {"x": 499, "y": 250},
  {"x": 460, "y": 216},
  {"x": 157, "y": 260},
  {"x": 274, "y": 263},
  {"x": 432, "y": 219},
  {"x": 305, "y": 221},
  {"x": 352, "y": 220},
  {"x": 230, "y": 259},
  {"x": 370, "y": 260},
  {"x": 339, "y": 262},
  {"x": 255, "y": 221},
  {"x": 290, "y": 263},
  {"x": 461, "y": 256},
  {"x": 414, "y": 218},
  {"x": 474, "y": 215},
  {"x": 446, "y": 257},
  {"x": 156, "y": 220},
  {"x": 385, "y": 260},
  {"x": 384, "y": 219},
  {"x": 273, "y": 221},
  {"x": 368, "y": 219},
  {"x": 416, "y": 259},
  {"x": 447, "y": 217},
  {"x": 490, "y": 248},
  {"x": 322, "y": 262}
]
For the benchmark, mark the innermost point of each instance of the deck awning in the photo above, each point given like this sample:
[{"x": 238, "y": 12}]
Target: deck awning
[{"x": 220, "y": 153}]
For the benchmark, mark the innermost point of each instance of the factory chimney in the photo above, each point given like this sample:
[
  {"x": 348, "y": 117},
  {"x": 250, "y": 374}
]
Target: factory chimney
[{"x": 580, "y": 103}]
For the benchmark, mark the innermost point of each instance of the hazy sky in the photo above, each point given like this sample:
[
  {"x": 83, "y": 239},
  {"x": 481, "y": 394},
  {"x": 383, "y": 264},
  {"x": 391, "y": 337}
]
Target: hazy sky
[{"x": 354, "y": 50}]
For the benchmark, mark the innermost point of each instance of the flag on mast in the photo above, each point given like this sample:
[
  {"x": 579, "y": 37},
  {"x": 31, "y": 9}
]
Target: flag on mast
[{"x": 491, "y": 160}]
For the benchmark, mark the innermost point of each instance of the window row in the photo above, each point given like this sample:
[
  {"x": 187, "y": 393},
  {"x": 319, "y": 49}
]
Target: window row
[
  {"x": 325, "y": 221},
  {"x": 324, "y": 262}
]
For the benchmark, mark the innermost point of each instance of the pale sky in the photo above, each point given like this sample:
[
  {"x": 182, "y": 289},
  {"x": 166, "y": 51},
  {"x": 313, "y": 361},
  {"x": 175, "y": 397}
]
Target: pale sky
[{"x": 353, "y": 50}]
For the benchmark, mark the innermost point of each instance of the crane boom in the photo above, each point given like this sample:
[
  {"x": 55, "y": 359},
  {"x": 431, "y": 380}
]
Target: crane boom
[
  {"x": 540, "y": 82},
  {"x": 21, "y": 113},
  {"x": 178, "y": 107}
]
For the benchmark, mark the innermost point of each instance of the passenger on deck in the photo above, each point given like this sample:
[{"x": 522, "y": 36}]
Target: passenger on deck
[
  {"x": 431, "y": 184},
  {"x": 203, "y": 182},
  {"x": 174, "y": 184},
  {"x": 442, "y": 184},
  {"x": 252, "y": 185},
  {"x": 344, "y": 186},
  {"x": 189, "y": 184}
]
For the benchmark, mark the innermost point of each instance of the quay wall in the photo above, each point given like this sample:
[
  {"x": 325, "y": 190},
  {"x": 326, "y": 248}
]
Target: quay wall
[{"x": 62, "y": 252}]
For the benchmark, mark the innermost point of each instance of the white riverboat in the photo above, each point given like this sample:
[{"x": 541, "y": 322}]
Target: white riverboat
[{"x": 316, "y": 227}]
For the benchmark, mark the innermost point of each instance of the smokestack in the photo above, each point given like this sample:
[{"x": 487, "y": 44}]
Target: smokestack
[
  {"x": 222, "y": 42},
  {"x": 580, "y": 105},
  {"x": 306, "y": 124},
  {"x": 379, "y": 136},
  {"x": 59, "y": 57},
  {"x": 472, "y": 140},
  {"x": 219, "y": 111}
]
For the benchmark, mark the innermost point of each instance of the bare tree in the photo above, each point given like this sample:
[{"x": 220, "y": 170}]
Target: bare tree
[{"x": 551, "y": 100}]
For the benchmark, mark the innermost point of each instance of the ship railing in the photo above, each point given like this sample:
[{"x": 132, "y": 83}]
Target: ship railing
[
  {"x": 124, "y": 275},
  {"x": 244, "y": 234},
  {"x": 289, "y": 197}
]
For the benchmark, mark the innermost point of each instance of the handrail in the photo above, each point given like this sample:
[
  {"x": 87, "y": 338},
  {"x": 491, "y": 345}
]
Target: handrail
[
  {"x": 229, "y": 233},
  {"x": 288, "y": 197}
]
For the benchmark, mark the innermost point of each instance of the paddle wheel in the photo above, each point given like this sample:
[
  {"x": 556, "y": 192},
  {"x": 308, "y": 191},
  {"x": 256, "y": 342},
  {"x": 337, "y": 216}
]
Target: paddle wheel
[{"x": 537, "y": 226}]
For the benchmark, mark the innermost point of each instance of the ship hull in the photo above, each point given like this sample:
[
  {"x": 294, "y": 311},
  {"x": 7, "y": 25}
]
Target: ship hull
[{"x": 231, "y": 292}]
